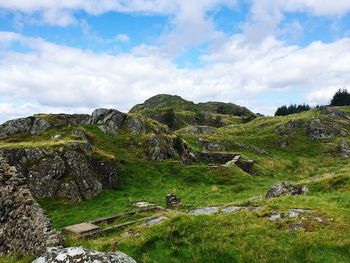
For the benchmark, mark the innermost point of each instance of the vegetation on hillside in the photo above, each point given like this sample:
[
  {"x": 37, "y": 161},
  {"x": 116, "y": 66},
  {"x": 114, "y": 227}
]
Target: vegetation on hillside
[{"x": 284, "y": 148}]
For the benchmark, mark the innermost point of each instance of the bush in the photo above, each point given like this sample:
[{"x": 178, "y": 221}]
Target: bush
[
  {"x": 284, "y": 110},
  {"x": 170, "y": 119},
  {"x": 341, "y": 98}
]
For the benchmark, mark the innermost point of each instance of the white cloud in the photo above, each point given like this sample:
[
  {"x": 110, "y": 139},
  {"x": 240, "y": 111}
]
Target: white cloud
[
  {"x": 266, "y": 15},
  {"x": 55, "y": 77},
  {"x": 122, "y": 38}
]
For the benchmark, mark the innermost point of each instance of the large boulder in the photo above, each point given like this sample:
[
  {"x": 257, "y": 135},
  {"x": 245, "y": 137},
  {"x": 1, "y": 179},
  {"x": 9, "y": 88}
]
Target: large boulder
[
  {"x": 24, "y": 226},
  {"x": 81, "y": 255},
  {"x": 68, "y": 172}
]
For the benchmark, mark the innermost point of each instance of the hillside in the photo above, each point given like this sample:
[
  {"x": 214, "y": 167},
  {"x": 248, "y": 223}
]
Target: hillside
[
  {"x": 84, "y": 167},
  {"x": 177, "y": 112}
]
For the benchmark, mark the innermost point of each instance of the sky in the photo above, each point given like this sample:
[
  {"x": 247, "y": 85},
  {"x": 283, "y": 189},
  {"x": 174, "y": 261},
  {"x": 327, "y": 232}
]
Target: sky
[{"x": 74, "y": 56}]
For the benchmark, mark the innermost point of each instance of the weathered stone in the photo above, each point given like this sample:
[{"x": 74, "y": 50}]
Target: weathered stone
[
  {"x": 343, "y": 148},
  {"x": 161, "y": 148},
  {"x": 66, "y": 173},
  {"x": 38, "y": 124},
  {"x": 274, "y": 216},
  {"x": 286, "y": 188},
  {"x": 78, "y": 254},
  {"x": 213, "y": 147},
  {"x": 231, "y": 209},
  {"x": 24, "y": 226},
  {"x": 172, "y": 201},
  {"x": 205, "y": 211},
  {"x": 155, "y": 221}
]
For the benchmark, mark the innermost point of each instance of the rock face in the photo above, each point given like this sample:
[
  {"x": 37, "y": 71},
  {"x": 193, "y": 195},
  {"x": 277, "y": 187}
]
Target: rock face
[
  {"x": 65, "y": 173},
  {"x": 24, "y": 226},
  {"x": 286, "y": 188},
  {"x": 78, "y": 254}
]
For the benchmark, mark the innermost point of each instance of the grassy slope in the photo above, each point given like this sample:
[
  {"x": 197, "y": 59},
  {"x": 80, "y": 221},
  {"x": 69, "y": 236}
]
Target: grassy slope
[{"x": 239, "y": 237}]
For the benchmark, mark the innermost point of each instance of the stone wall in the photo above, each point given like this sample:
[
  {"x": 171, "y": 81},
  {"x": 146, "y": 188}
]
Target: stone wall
[{"x": 24, "y": 226}]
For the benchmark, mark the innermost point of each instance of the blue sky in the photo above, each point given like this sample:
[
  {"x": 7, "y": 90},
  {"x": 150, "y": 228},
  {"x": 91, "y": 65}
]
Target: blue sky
[{"x": 74, "y": 56}]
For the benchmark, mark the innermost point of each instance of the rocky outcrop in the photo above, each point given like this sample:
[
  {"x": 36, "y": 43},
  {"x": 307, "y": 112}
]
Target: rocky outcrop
[
  {"x": 109, "y": 120},
  {"x": 40, "y": 123},
  {"x": 67, "y": 173},
  {"x": 78, "y": 254},
  {"x": 322, "y": 129},
  {"x": 161, "y": 148},
  {"x": 24, "y": 226},
  {"x": 286, "y": 188}
]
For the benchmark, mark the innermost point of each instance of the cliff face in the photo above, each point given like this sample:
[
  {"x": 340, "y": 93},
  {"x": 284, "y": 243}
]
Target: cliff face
[{"x": 24, "y": 226}]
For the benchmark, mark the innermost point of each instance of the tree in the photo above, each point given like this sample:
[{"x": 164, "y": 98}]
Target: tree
[
  {"x": 291, "y": 109},
  {"x": 341, "y": 98}
]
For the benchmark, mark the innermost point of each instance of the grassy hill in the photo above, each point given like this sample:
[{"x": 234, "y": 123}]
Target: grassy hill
[
  {"x": 301, "y": 148},
  {"x": 185, "y": 112}
]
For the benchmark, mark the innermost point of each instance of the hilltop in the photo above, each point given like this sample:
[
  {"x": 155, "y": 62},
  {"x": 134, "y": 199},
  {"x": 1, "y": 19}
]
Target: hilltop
[
  {"x": 219, "y": 158},
  {"x": 177, "y": 112}
]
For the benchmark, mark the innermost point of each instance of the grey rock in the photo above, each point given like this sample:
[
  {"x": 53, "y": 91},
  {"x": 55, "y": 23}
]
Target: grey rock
[
  {"x": 38, "y": 124},
  {"x": 136, "y": 125},
  {"x": 286, "y": 188},
  {"x": 199, "y": 129},
  {"x": 274, "y": 216},
  {"x": 205, "y": 211},
  {"x": 231, "y": 209},
  {"x": 213, "y": 147},
  {"x": 161, "y": 148},
  {"x": 155, "y": 221},
  {"x": 81, "y": 255},
  {"x": 343, "y": 148},
  {"x": 24, "y": 226},
  {"x": 98, "y": 115},
  {"x": 67, "y": 173}
]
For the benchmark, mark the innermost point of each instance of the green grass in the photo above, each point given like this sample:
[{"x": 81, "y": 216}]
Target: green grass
[{"x": 240, "y": 237}]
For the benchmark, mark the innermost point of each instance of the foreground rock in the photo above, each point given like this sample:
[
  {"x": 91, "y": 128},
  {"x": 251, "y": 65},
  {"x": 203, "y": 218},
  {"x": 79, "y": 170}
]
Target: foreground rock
[
  {"x": 286, "y": 188},
  {"x": 67, "y": 173},
  {"x": 24, "y": 226},
  {"x": 81, "y": 255}
]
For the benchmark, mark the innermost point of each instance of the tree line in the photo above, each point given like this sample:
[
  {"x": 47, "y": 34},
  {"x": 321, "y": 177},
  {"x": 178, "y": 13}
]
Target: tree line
[{"x": 340, "y": 98}]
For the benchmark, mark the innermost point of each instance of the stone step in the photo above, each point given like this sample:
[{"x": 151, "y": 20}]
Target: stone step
[{"x": 81, "y": 229}]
